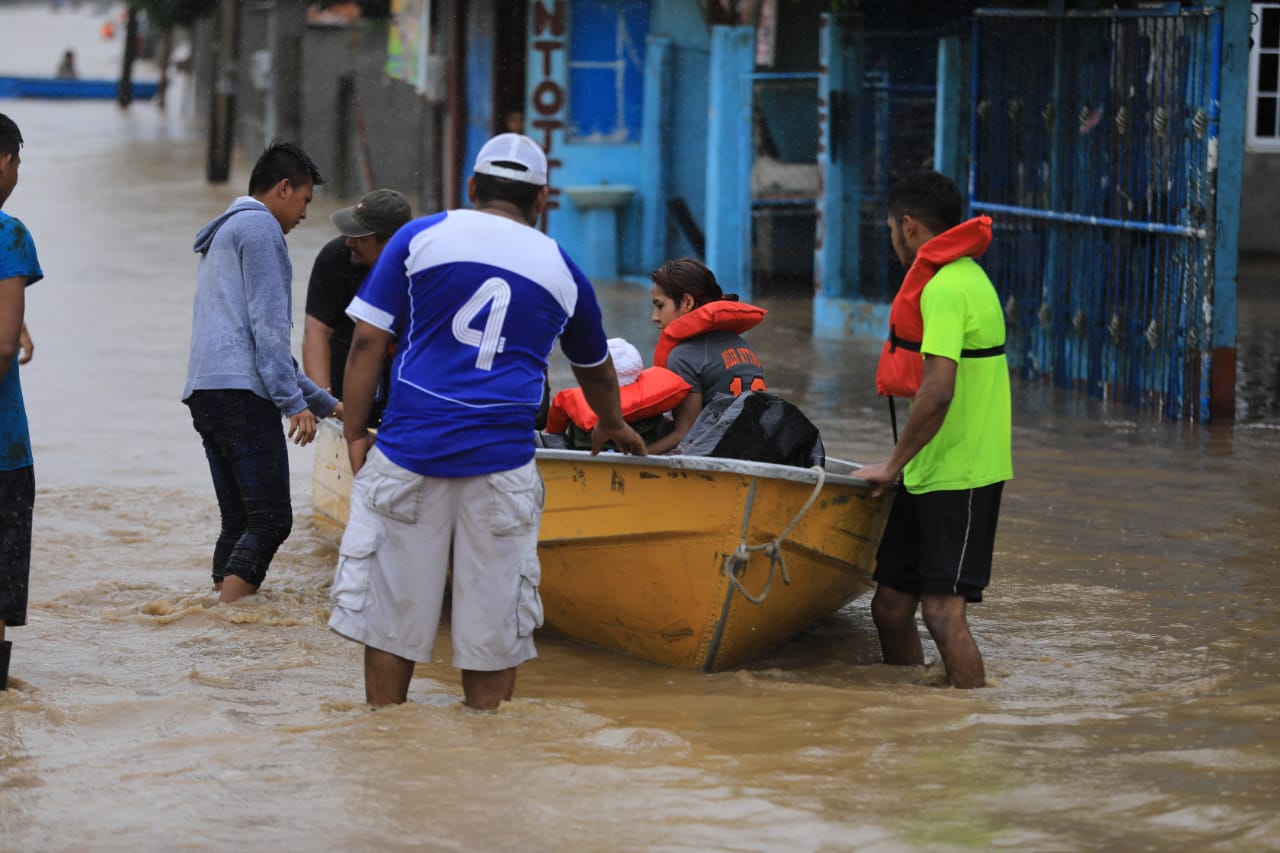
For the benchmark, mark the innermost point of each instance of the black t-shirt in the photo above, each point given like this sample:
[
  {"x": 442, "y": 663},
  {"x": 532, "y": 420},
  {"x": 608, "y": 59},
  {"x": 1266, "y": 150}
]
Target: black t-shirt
[{"x": 334, "y": 282}]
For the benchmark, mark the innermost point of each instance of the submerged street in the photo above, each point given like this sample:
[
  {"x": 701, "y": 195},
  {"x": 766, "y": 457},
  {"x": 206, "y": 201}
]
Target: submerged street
[{"x": 1130, "y": 631}]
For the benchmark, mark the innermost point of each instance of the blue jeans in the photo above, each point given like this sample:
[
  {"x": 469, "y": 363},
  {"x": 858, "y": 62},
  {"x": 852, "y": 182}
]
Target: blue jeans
[{"x": 248, "y": 458}]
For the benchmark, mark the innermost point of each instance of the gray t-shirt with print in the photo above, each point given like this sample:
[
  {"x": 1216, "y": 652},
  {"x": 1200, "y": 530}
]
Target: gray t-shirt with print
[{"x": 717, "y": 363}]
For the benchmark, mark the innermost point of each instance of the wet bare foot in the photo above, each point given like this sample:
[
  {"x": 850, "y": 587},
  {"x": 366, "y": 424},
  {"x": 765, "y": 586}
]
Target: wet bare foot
[{"x": 235, "y": 588}]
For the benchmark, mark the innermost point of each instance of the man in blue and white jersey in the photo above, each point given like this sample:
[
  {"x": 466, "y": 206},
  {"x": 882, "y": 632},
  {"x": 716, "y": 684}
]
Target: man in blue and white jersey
[{"x": 473, "y": 301}]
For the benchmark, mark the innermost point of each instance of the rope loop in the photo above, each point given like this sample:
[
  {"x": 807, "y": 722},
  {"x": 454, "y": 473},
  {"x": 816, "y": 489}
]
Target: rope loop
[{"x": 736, "y": 561}]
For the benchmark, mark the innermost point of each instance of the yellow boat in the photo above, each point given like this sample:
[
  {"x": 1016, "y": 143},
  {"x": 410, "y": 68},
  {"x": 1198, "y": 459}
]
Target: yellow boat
[{"x": 687, "y": 561}]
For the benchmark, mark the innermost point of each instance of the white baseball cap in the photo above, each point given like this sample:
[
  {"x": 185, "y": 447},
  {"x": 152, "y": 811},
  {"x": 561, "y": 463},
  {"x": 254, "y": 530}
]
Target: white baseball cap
[
  {"x": 515, "y": 157},
  {"x": 626, "y": 360}
]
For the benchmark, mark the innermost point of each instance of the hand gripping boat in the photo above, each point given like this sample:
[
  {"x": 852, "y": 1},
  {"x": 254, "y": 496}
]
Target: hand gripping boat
[{"x": 687, "y": 561}]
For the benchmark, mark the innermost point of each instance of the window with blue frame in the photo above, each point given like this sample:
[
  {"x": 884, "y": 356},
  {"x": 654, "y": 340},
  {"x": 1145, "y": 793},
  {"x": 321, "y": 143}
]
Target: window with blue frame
[{"x": 606, "y": 69}]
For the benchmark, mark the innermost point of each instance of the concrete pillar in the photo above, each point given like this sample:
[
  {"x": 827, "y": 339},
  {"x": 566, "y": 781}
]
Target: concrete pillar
[
  {"x": 729, "y": 155},
  {"x": 222, "y": 118},
  {"x": 837, "y": 245},
  {"x": 599, "y": 204},
  {"x": 655, "y": 147},
  {"x": 1236, "y": 27},
  {"x": 950, "y": 151}
]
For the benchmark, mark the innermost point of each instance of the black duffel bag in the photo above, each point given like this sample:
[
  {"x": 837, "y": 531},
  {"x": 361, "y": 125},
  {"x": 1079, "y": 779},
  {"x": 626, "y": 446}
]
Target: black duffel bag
[{"x": 755, "y": 425}]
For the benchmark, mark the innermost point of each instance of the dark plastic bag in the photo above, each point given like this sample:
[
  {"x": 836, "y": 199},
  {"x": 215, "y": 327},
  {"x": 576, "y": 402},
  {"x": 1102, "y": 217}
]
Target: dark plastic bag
[
  {"x": 756, "y": 425},
  {"x": 650, "y": 429}
]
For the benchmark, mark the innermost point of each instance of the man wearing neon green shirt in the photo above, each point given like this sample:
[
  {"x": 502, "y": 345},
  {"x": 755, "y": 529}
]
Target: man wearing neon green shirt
[{"x": 954, "y": 453}]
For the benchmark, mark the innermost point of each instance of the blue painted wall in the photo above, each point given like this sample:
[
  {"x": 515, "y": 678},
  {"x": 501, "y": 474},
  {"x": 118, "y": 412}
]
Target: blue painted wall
[
  {"x": 950, "y": 152},
  {"x": 838, "y": 309},
  {"x": 686, "y": 149},
  {"x": 606, "y": 70},
  {"x": 729, "y": 159},
  {"x": 479, "y": 64},
  {"x": 683, "y": 146},
  {"x": 591, "y": 140},
  {"x": 654, "y": 164},
  {"x": 574, "y": 127},
  {"x": 1231, "y": 138}
]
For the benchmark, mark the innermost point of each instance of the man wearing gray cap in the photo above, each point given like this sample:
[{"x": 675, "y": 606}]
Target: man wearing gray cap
[{"x": 336, "y": 276}]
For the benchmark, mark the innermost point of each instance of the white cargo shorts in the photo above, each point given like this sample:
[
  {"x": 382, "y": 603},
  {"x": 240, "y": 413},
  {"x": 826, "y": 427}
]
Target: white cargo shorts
[{"x": 403, "y": 533}]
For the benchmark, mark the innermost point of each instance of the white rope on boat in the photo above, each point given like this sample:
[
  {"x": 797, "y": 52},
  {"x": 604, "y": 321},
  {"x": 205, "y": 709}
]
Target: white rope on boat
[{"x": 738, "y": 559}]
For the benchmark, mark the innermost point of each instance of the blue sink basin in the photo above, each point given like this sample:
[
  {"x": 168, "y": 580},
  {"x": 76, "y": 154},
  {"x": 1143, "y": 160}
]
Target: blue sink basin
[{"x": 589, "y": 196}]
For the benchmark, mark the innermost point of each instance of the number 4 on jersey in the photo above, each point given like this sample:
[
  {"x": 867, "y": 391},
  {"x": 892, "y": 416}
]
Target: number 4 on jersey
[{"x": 496, "y": 295}]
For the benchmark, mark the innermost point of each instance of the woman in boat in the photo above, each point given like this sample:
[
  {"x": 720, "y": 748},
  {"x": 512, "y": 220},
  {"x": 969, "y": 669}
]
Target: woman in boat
[{"x": 701, "y": 341}]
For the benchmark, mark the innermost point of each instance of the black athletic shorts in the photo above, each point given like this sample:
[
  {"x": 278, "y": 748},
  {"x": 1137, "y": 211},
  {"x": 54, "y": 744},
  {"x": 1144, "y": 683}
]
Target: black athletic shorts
[
  {"x": 940, "y": 542},
  {"x": 17, "y": 498}
]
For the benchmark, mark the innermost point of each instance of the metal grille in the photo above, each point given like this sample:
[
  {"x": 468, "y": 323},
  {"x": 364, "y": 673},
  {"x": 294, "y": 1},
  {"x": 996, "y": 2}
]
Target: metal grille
[
  {"x": 897, "y": 127},
  {"x": 784, "y": 180},
  {"x": 1093, "y": 149}
]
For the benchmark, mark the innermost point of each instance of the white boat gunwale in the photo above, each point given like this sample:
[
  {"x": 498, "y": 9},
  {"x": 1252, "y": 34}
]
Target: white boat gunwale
[
  {"x": 836, "y": 471},
  {"x": 717, "y": 465}
]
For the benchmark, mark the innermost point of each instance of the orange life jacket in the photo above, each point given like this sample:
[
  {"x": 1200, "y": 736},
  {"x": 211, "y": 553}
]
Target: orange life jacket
[
  {"x": 901, "y": 368},
  {"x": 718, "y": 316},
  {"x": 656, "y": 390}
]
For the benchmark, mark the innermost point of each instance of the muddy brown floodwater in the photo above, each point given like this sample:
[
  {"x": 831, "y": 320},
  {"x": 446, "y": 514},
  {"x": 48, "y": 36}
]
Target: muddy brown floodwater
[{"x": 1131, "y": 630}]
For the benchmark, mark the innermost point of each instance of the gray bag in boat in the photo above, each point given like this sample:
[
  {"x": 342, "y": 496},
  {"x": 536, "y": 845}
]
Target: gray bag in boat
[{"x": 756, "y": 425}]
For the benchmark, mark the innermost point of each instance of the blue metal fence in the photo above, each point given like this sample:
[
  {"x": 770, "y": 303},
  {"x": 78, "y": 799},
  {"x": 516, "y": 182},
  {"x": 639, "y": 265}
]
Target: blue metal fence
[
  {"x": 893, "y": 123},
  {"x": 784, "y": 179},
  {"x": 1094, "y": 145},
  {"x": 897, "y": 129}
]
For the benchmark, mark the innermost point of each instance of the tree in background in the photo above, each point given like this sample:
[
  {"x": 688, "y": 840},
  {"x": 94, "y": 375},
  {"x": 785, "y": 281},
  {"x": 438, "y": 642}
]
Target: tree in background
[{"x": 163, "y": 16}]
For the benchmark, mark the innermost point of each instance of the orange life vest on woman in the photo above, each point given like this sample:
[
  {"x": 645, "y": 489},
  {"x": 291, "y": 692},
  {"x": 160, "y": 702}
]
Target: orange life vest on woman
[
  {"x": 656, "y": 390},
  {"x": 719, "y": 316},
  {"x": 901, "y": 368}
]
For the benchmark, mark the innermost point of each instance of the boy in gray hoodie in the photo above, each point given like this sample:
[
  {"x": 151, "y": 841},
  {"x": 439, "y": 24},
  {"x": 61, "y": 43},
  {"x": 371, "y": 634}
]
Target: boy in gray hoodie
[{"x": 241, "y": 375}]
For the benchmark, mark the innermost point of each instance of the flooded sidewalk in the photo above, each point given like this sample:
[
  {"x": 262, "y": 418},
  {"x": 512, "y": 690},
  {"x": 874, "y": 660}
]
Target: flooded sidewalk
[{"x": 1130, "y": 631}]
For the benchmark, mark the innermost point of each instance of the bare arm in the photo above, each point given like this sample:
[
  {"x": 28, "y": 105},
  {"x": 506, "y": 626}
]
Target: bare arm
[
  {"x": 12, "y": 305},
  {"x": 600, "y": 387},
  {"x": 315, "y": 351},
  {"x": 928, "y": 411},
  {"x": 685, "y": 414},
  {"x": 359, "y": 383}
]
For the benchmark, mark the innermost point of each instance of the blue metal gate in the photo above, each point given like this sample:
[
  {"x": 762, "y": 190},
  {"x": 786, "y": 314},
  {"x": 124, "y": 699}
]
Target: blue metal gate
[
  {"x": 784, "y": 179},
  {"x": 1094, "y": 149},
  {"x": 896, "y": 135}
]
